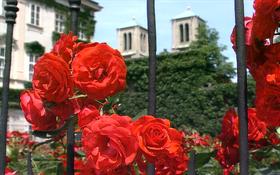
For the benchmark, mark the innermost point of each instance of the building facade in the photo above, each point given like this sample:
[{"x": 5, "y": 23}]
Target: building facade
[
  {"x": 132, "y": 40},
  {"x": 184, "y": 29},
  {"x": 37, "y": 26}
]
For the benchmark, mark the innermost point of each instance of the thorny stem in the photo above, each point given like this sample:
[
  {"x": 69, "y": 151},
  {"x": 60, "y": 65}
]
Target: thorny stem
[{"x": 78, "y": 96}]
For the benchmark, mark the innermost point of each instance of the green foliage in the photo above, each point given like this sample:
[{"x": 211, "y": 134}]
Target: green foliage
[
  {"x": 203, "y": 158},
  {"x": 88, "y": 24},
  {"x": 211, "y": 168},
  {"x": 34, "y": 48},
  {"x": 55, "y": 36},
  {"x": 27, "y": 85},
  {"x": 13, "y": 97},
  {"x": 193, "y": 86}
]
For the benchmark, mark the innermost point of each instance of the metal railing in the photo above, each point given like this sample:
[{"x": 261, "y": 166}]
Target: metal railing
[
  {"x": 152, "y": 66},
  {"x": 11, "y": 10},
  {"x": 11, "y": 14},
  {"x": 242, "y": 87}
]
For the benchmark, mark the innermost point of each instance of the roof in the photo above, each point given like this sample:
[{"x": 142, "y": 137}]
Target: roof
[
  {"x": 186, "y": 14},
  {"x": 132, "y": 23},
  {"x": 92, "y": 4}
]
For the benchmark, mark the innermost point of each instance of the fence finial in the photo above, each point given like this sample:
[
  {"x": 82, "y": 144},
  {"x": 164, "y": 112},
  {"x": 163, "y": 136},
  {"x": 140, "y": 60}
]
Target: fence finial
[{"x": 11, "y": 11}]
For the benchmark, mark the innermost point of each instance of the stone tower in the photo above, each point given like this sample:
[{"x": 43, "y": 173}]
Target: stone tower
[
  {"x": 132, "y": 40},
  {"x": 184, "y": 29}
]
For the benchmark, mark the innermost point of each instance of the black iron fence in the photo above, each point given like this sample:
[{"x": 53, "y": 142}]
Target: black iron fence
[{"x": 11, "y": 10}]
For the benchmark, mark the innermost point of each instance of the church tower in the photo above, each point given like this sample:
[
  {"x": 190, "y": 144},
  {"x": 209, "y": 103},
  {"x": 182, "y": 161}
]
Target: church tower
[
  {"x": 132, "y": 40},
  {"x": 184, "y": 29}
]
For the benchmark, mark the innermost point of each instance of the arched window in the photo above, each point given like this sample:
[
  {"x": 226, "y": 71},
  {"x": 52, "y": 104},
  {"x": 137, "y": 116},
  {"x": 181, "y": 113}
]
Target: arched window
[
  {"x": 141, "y": 42},
  {"x": 129, "y": 41},
  {"x": 187, "y": 33},
  {"x": 181, "y": 33},
  {"x": 2, "y": 7},
  {"x": 144, "y": 43},
  {"x": 125, "y": 41}
]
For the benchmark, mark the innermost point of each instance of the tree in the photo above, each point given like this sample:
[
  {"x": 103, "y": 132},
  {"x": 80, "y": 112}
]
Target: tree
[{"x": 194, "y": 87}]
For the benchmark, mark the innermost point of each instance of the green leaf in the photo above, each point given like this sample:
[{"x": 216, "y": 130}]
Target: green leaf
[
  {"x": 80, "y": 153},
  {"x": 59, "y": 170},
  {"x": 203, "y": 158},
  {"x": 140, "y": 114}
]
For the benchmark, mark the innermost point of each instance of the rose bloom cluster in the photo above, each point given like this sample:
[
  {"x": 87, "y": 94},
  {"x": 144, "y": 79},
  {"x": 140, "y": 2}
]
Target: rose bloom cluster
[
  {"x": 74, "y": 79},
  {"x": 262, "y": 56}
]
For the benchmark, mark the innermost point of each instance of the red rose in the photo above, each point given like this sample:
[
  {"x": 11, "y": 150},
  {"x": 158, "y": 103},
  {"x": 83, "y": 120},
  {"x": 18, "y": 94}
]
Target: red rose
[
  {"x": 164, "y": 165},
  {"x": 227, "y": 156},
  {"x": 254, "y": 48},
  {"x": 81, "y": 45},
  {"x": 265, "y": 18},
  {"x": 274, "y": 139},
  {"x": 248, "y": 30},
  {"x": 123, "y": 170},
  {"x": 65, "y": 109},
  {"x": 268, "y": 87},
  {"x": 52, "y": 79},
  {"x": 109, "y": 143},
  {"x": 64, "y": 47},
  {"x": 155, "y": 137},
  {"x": 256, "y": 127},
  {"x": 194, "y": 139},
  {"x": 87, "y": 115},
  {"x": 271, "y": 70},
  {"x": 230, "y": 131},
  {"x": 99, "y": 71},
  {"x": 35, "y": 113},
  {"x": 9, "y": 171},
  {"x": 175, "y": 166}
]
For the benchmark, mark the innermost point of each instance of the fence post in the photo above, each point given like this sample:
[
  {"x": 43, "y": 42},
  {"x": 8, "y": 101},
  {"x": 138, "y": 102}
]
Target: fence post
[
  {"x": 74, "y": 9},
  {"x": 152, "y": 66},
  {"x": 11, "y": 14},
  {"x": 29, "y": 155},
  {"x": 242, "y": 87},
  {"x": 191, "y": 167}
]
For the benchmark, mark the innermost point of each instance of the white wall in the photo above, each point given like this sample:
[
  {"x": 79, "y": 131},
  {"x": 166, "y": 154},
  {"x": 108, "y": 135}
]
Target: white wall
[
  {"x": 193, "y": 23},
  {"x": 135, "y": 52}
]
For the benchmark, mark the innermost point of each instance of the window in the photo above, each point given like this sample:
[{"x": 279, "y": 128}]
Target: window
[
  {"x": 59, "y": 23},
  {"x": 129, "y": 41},
  {"x": 184, "y": 33},
  {"x": 32, "y": 60},
  {"x": 81, "y": 33},
  {"x": 127, "y": 38},
  {"x": 142, "y": 42},
  {"x": 125, "y": 41},
  {"x": 35, "y": 15},
  {"x": 181, "y": 33},
  {"x": 2, "y": 60},
  {"x": 187, "y": 38}
]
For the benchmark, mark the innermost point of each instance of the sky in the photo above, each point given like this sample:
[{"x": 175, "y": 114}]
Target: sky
[{"x": 219, "y": 14}]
